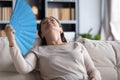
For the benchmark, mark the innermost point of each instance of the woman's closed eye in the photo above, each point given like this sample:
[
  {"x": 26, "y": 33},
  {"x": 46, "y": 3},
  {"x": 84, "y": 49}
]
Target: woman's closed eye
[
  {"x": 45, "y": 21},
  {"x": 51, "y": 20}
]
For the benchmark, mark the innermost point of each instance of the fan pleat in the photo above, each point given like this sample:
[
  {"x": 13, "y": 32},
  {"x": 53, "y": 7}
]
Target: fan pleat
[
  {"x": 21, "y": 45},
  {"x": 26, "y": 13},
  {"x": 31, "y": 29},
  {"x": 27, "y": 44},
  {"x": 23, "y": 16},
  {"x": 22, "y": 6},
  {"x": 28, "y": 35},
  {"x": 27, "y": 19}
]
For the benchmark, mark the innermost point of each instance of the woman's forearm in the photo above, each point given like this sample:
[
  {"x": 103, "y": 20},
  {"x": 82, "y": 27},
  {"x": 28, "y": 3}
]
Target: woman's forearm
[
  {"x": 11, "y": 43},
  {"x": 23, "y": 65}
]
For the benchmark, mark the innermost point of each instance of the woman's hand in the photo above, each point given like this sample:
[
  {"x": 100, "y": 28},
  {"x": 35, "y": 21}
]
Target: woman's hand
[
  {"x": 93, "y": 78},
  {"x": 9, "y": 33}
]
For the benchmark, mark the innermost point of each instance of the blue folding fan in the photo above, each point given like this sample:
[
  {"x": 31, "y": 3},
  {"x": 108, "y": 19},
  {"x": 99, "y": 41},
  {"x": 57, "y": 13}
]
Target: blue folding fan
[{"x": 24, "y": 22}]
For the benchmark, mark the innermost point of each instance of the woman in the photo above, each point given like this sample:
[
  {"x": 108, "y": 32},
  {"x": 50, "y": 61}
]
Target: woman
[{"x": 57, "y": 59}]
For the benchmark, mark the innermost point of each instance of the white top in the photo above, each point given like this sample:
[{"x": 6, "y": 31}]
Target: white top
[{"x": 70, "y": 61}]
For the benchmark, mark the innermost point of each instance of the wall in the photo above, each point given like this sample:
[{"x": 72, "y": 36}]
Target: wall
[{"x": 89, "y": 15}]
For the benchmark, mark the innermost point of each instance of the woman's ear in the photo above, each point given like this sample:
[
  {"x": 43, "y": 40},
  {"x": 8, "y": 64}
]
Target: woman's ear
[
  {"x": 61, "y": 30},
  {"x": 42, "y": 35}
]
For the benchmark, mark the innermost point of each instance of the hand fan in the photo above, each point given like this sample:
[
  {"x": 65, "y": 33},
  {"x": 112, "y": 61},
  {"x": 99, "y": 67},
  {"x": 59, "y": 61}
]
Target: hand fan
[{"x": 24, "y": 23}]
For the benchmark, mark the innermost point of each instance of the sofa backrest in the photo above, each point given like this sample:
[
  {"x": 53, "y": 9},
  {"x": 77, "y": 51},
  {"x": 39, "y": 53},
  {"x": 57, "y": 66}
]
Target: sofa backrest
[
  {"x": 106, "y": 57},
  {"x": 5, "y": 58}
]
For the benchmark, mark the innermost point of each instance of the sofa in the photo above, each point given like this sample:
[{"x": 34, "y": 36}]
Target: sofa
[
  {"x": 106, "y": 57},
  {"x": 105, "y": 54}
]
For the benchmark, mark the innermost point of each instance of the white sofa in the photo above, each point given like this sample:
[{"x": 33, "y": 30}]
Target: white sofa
[
  {"x": 105, "y": 54},
  {"x": 106, "y": 57}
]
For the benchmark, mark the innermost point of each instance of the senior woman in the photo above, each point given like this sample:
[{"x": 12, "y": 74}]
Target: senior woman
[{"x": 56, "y": 58}]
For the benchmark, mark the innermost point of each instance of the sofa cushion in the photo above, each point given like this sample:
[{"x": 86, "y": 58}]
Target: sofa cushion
[
  {"x": 16, "y": 76},
  {"x": 6, "y": 63},
  {"x": 104, "y": 57},
  {"x": 116, "y": 47}
]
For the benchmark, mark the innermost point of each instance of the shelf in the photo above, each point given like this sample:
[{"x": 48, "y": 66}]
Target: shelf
[
  {"x": 68, "y": 22},
  {"x": 6, "y": 0},
  {"x": 62, "y": 22},
  {"x": 38, "y": 21},
  {"x": 6, "y": 3},
  {"x": 4, "y": 22},
  {"x": 61, "y": 0}
]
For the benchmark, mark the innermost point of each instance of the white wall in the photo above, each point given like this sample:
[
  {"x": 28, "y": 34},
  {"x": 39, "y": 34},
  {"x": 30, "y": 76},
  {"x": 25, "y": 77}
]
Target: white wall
[{"x": 89, "y": 16}]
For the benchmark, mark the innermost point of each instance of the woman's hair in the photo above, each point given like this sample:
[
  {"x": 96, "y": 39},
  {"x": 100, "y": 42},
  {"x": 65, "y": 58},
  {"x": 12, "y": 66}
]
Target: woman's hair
[{"x": 43, "y": 40}]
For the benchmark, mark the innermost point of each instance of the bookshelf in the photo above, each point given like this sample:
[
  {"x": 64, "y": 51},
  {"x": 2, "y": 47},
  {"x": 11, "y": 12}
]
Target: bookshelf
[
  {"x": 6, "y": 7},
  {"x": 64, "y": 10},
  {"x": 67, "y": 12}
]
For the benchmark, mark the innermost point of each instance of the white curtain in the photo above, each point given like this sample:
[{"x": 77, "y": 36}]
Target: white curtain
[
  {"x": 110, "y": 20},
  {"x": 106, "y": 16},
  {"x": 115, "y": 19}
]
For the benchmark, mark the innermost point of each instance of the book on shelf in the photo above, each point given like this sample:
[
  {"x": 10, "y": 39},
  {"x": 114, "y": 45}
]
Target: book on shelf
[
  {"x": 72, "y": 13},
  {"x": 0, "y": 13},
  {"x": 62, "y": 13},
  {"x": 5, "y": 13},
  {"x": 35, "y": 11},
  {"x": 53, "y": 12},
  {"x": 65, "y": 14}
]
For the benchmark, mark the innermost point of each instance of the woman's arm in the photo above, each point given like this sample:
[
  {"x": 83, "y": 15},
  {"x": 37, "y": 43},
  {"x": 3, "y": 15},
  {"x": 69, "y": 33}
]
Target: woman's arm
[
  {"x": 23, "y": 65},
  {"x": 92, "y": 71}
]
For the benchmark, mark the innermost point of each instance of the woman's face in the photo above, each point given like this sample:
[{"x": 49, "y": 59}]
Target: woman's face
[{"x": 50, "y": 25}]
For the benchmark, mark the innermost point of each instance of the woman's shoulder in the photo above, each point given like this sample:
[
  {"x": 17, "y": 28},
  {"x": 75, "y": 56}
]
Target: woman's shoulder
[
  {"x": 34, "y": 49},
  {"x": 77, "y": 43}
]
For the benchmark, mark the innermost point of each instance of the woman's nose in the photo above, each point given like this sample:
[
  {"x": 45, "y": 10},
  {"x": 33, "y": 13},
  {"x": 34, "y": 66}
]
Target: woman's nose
[{"x": 48, "y": 20}]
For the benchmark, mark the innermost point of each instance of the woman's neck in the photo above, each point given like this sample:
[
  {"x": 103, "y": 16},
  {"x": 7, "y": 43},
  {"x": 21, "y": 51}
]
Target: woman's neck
[{"x": 54, "y": 40}]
